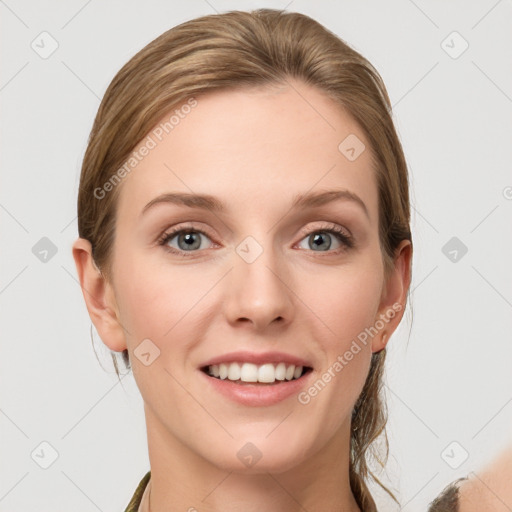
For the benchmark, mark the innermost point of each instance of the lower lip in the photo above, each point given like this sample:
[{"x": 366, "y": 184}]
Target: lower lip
[{"x": 258, "y": 395}]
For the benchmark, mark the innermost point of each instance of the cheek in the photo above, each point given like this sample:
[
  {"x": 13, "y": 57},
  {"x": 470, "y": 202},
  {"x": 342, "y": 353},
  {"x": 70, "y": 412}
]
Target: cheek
[
  {"x": 344, "y": 307},
  {"x": 344, "y": 300},
  {"x": 162, "y": 301},
  {"x": 154, "y": 295},
  {"x": 150, "y": 299}
]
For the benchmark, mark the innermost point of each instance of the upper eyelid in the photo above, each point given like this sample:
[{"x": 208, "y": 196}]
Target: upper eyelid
[
  {"x": 327, "y": 226},
  {"x": 190, "y": 227},
  {"x": 173, "y": 232}
]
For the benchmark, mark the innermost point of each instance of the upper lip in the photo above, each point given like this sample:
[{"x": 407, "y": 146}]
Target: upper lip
[{"x": 257, "y": 358}]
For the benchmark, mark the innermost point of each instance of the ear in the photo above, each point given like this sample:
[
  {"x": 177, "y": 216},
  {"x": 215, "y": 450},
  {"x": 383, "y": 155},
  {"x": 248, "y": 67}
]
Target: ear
[
  {"x": 394, "y": 296},
  {"x": 99, "y": 297}
]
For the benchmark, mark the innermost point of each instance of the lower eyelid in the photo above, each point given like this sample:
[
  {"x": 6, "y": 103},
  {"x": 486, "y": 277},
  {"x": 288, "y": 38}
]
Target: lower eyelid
[
  {"x": 345, "y": 241},
  {"x": 166, "y": 237}
]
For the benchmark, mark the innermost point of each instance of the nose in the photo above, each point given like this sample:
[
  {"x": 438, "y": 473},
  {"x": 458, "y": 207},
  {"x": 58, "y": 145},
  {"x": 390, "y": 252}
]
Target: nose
[{"x": 258, "y": 291}]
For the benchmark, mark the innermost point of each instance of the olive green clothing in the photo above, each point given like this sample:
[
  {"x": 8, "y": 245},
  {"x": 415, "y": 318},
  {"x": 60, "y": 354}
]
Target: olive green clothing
[{"x": 134, "y": 504}]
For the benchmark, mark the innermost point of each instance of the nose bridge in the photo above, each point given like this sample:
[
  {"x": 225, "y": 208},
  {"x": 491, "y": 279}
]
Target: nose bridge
[{"x": 258, "y": 289}]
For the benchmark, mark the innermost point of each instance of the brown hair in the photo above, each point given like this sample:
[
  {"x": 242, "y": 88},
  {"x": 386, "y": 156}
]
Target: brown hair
[{"x": 240, "y": 49}]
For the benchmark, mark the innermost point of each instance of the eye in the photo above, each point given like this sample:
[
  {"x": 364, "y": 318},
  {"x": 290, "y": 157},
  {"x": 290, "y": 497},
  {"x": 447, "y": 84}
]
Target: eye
[
  {"x": 322, "y": 239},
  {"x": 183, "y": 240}
]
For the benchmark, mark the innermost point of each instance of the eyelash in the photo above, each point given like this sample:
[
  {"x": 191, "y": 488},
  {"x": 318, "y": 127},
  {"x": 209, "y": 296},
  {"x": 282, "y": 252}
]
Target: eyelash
[{"x": 346, "y": 240}]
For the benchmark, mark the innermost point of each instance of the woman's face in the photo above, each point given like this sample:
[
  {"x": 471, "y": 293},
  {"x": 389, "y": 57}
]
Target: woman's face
[{"x": 258, "y": 280}]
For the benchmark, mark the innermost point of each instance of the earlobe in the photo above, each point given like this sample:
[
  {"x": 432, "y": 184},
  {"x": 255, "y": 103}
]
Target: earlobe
[
  {"x": 380, "y": 341},
  {"x": 99, "y": 297},
  {"x": 394, "y": 296}
]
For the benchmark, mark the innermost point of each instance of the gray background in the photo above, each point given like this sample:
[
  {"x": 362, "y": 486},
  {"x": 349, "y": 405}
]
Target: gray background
[{"x": 449, "y": 370}]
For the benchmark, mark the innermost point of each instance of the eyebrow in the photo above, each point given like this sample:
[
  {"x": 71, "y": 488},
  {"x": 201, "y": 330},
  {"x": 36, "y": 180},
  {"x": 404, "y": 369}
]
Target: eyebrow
[{"x": 208, "y": 202}]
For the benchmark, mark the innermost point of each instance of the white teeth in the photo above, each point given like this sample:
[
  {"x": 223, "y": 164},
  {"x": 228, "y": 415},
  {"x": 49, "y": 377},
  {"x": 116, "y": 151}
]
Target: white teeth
[
  {"x": 234, "y": 371},
  {"x": 223, "y": 371},
  {"x": 249, "y": 372},
  {"x": 280, "y": 371},
  {"x": 266, "y": 373}
]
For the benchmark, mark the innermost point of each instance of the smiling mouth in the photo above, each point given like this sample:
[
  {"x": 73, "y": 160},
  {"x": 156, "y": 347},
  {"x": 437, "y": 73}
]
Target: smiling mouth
[{"x": 249, "y": 373}]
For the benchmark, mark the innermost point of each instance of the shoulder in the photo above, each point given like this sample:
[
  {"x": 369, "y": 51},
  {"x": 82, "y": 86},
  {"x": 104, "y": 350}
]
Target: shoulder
[
  {"x": 133, "y": 506},
  {"x": 448, "y": 500}
]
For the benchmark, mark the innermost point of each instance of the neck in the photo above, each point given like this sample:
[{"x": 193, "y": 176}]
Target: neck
[{"x": 181, "y": 480}]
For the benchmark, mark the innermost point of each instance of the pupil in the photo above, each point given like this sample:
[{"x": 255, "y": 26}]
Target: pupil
[
  {"x": 189, "y": 240},
  {"x": 319, "y": 237}
]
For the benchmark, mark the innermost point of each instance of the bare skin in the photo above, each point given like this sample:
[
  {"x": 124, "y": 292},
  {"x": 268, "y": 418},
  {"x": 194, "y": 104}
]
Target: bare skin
[
  {"x": 255, "y": 150},
  {"x": 489, "y": 490}
]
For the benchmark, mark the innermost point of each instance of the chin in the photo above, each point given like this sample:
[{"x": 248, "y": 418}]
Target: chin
[{"x": 258, "y": 456}]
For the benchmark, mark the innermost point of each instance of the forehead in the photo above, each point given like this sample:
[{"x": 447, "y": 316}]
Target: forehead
[{"x": 249, "y": 144}]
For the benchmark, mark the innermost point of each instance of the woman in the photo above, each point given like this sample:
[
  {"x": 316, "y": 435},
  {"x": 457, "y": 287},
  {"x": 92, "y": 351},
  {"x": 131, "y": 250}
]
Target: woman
[{"x": 244, "y": 241}]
